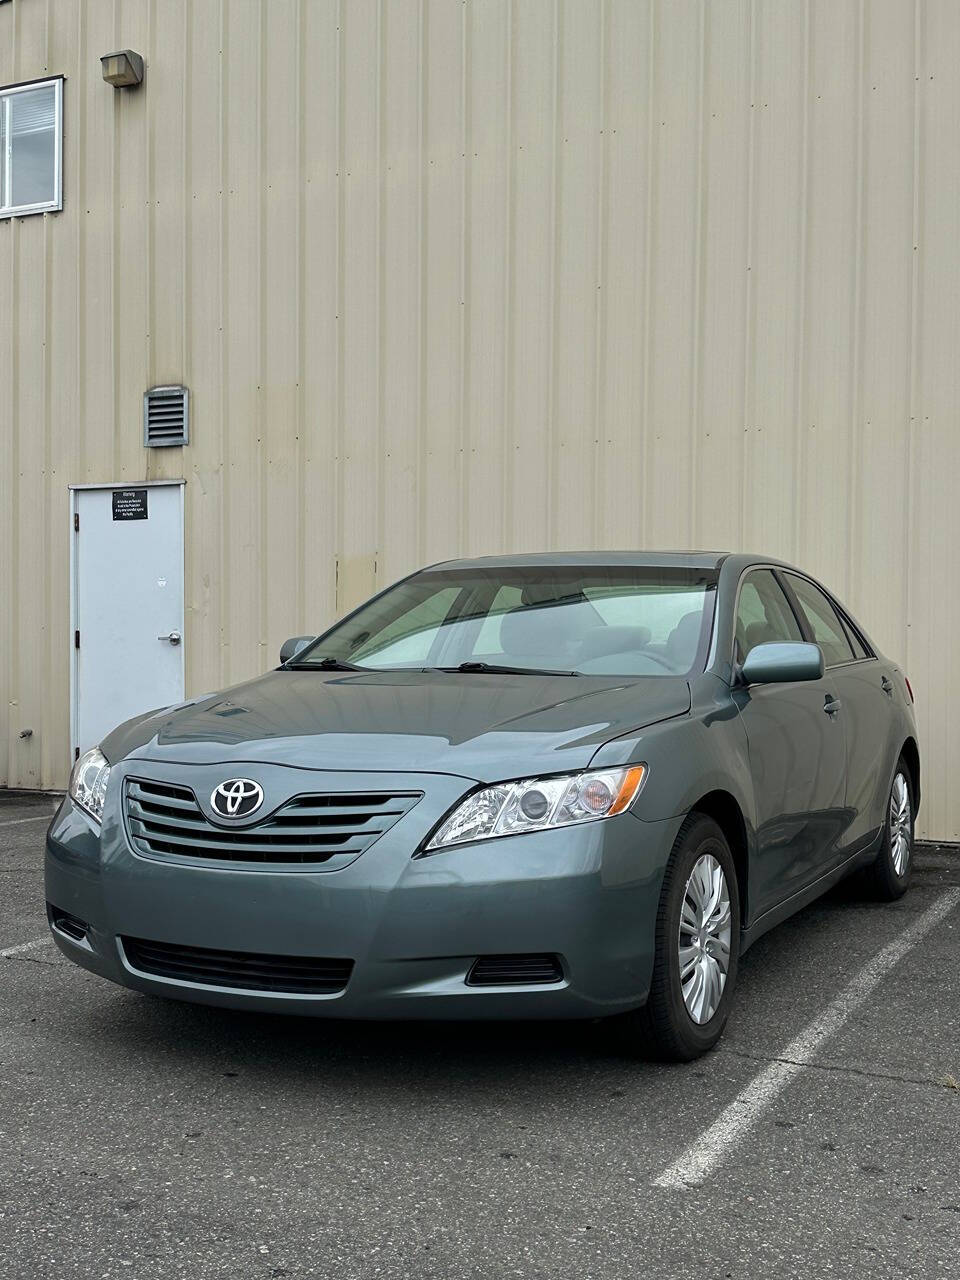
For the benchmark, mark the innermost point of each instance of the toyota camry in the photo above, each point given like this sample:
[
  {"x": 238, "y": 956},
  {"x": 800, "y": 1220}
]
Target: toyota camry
[{"x": 567, "y": 785}]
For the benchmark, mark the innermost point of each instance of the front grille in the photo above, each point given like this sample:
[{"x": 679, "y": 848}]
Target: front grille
[
  {"x": 165, "y": 820},
  {"x": 510, "y": 971},
  {"x": 246, "y": 970}
]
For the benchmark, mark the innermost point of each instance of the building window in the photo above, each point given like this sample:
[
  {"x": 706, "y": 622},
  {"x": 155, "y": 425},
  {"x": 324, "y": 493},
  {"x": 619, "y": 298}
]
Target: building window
[{"x": 31, "y": 145}]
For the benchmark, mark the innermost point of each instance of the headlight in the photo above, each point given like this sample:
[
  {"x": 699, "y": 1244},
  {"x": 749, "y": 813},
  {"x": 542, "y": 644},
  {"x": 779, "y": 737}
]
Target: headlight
[
  {"x": 88, "y": 783},
  {"x": 537, "y": 803}
]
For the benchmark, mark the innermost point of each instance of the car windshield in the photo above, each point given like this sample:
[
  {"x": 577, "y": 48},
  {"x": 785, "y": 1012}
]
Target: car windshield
[{"x": 585, "y": 620}]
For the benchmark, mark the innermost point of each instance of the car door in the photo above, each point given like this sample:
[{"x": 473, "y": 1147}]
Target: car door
[
  {"x": 795, "y": 737},
  {"x": 865, "y": 691}
]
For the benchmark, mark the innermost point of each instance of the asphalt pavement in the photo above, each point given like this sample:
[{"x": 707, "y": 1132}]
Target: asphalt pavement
[{"x": 144, "y": 1138}]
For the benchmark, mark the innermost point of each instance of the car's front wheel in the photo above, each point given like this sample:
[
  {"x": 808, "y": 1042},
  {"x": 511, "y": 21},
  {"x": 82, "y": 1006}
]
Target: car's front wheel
[{"x": 697, "y": 947}]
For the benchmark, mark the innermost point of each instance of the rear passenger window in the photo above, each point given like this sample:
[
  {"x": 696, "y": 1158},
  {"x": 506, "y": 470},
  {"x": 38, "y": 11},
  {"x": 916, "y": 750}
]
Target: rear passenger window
[
  {"x": 859, "y": 648},
  {"x": 763, "y": 614},
  {"x": 824, "y": 621}
]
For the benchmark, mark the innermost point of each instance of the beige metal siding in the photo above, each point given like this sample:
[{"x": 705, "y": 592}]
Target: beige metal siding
[{"x": 453, "y": 277}]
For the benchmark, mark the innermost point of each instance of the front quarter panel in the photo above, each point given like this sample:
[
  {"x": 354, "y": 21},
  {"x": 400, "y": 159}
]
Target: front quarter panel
[{"x": 687, "y": 757}]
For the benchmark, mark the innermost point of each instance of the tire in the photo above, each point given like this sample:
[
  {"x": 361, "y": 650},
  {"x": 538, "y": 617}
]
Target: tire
[
  {"x": 888, "y": 877},
  {"x": 670, "y": 1026}
]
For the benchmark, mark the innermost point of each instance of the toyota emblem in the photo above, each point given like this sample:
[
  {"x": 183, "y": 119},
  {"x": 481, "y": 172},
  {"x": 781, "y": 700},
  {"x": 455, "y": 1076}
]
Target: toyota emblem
[{"x": 237, "y": 797}]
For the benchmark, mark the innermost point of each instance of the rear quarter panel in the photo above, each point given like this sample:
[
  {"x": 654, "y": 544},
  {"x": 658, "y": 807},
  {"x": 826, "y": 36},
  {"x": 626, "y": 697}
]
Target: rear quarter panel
[{"x": 876, "y": 728}]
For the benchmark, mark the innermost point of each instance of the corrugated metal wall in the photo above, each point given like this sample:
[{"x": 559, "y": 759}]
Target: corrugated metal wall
[{"x": 456, "y": 277}]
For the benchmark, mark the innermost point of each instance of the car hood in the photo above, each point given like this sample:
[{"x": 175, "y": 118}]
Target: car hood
[{"x": 486, "y": 727}]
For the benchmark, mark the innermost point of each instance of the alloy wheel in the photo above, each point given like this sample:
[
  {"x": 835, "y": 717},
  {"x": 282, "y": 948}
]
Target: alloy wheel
[
  {"x": 704, "y": 938},
  {"x": 901, "y": 826}
]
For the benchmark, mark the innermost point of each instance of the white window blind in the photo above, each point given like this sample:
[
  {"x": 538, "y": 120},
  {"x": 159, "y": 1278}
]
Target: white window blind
[{"x": 31, "y": 144}]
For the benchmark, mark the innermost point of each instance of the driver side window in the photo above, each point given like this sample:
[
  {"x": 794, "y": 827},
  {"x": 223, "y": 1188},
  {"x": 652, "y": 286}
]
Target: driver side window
[{"x": 763, "y": 614}]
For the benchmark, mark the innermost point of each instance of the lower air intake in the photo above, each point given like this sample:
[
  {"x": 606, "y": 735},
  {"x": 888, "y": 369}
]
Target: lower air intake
[
  {"x": 65, "y": 923},
  {"x": 511, "y": 971},
  {"x": 246, "y": 970}
]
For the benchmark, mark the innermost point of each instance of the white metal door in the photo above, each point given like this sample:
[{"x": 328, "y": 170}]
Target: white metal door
[{"x": 127, "y": 579}]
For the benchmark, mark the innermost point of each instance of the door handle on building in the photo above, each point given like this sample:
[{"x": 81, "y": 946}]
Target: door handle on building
[{"x": 173, "y": 637}]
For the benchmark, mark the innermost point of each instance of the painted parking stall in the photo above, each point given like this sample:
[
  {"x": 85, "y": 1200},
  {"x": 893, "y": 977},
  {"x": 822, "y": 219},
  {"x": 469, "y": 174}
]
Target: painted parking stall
[
  {"x": 719, "y": 1143},
  {"x": 281, "y": 1146}
]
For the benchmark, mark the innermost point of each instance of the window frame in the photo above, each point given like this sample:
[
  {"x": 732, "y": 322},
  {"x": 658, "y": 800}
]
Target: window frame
[
  {"x": 7, "y": 92},
  {"x": 853, "y": 635},
  {"x": 846, "y": 626},
  {"x": 856, "y": 632}
]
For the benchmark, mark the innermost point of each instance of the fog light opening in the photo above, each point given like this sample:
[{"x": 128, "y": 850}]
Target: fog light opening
[{"x": 70, "y": 926}]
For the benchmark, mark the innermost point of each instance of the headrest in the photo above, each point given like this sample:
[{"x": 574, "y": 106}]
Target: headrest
[
  {"x": 758, "y": 633},
  {"x": 682, "y": 641},
  {"x": 528, "y": 630}
]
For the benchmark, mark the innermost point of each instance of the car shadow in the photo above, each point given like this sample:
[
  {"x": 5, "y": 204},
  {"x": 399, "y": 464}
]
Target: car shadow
[
  {"x": 481, "y": 1054},
  {"x": 510, "y": 1056}
]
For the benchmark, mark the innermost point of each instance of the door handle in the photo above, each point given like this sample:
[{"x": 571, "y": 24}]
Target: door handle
[
  {"x": 173, "y": 637},
  {"x": 886, "y": 685},
  {"x": 831, "y": 705}
]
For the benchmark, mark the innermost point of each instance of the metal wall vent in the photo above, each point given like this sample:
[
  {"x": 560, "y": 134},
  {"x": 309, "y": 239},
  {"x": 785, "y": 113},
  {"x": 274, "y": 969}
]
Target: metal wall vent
[{"x": 166, "y": 418}]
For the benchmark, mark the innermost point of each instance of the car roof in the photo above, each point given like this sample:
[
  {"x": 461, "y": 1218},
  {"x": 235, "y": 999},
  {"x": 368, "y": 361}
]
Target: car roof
[{"x": 552, "y": 559}]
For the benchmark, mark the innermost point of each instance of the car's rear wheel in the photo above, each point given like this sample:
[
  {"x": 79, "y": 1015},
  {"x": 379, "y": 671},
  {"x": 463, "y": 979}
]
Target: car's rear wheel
[
  {"x": 889, "y": 875},
  {"x": 697, "y": 947}
]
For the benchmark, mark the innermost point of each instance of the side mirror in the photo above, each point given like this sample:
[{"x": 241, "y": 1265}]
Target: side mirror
[
  {"x": 290, "y": 648},
  {"x": 775, "y": 663}
]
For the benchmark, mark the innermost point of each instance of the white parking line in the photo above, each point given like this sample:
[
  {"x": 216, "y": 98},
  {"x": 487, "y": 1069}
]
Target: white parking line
[
  {"x": 26, "y": 946},
  {"x": 733, "y": 1124},
  {"x": 17, "y": 822}
]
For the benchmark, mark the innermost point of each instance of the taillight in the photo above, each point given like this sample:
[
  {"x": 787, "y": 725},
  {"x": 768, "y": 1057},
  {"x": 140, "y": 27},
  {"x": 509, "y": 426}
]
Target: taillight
[{"x": 909, "y": 690}]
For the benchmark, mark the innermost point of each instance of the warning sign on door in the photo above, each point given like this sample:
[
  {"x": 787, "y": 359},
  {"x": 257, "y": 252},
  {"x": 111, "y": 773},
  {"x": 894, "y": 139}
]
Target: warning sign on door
[{"x": 129, "y": 504}]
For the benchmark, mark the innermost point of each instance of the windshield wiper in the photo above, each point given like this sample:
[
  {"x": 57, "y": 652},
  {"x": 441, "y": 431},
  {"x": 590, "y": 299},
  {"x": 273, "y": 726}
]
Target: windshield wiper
[
  {"x": 327, "y": 664},
  {"x": 495, "y": 668}
]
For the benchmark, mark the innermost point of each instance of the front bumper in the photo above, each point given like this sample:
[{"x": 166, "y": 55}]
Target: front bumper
[{"x": 412, "y": 926}]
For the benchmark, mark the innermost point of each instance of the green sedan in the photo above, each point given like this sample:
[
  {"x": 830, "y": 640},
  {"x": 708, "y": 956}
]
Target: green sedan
[{"x": 531, "y": 786}]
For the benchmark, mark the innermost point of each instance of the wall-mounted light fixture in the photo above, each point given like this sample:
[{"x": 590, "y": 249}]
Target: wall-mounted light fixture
[{"x": 122, "y": 69}]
